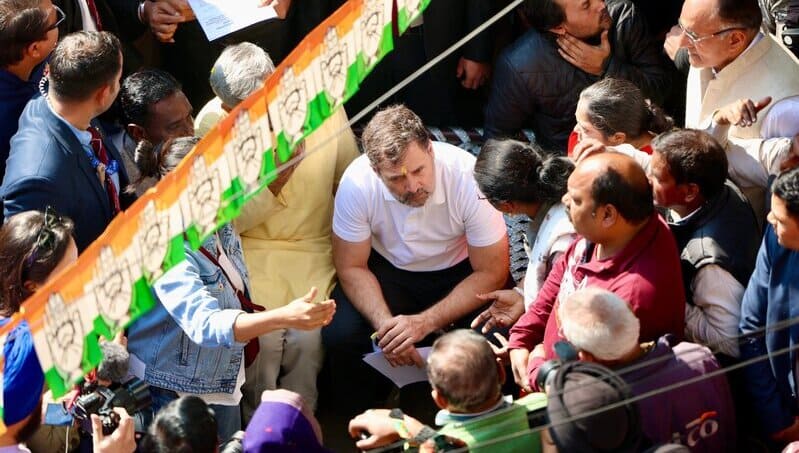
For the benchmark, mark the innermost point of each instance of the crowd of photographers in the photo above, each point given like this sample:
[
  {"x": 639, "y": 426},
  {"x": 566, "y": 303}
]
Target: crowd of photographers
[{"x": 611, "y": 269}]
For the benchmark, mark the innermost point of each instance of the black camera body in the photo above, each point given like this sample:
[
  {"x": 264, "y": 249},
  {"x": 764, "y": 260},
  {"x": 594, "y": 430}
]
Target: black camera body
[
  {"x": 565, "y": 352},
  {"x": 133, "y": 396},
  {"x": 788, "y": 26}
]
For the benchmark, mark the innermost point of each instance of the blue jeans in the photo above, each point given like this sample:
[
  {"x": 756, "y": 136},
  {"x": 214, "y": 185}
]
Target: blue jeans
[{"x": 228, "y": 418}]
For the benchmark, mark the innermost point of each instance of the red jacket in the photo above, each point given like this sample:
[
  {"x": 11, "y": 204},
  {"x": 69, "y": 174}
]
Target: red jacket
[{"x": 646, "y": 274}]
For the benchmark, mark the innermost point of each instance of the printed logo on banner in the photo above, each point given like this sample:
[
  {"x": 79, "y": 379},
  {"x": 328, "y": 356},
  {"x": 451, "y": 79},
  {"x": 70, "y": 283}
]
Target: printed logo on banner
[
  {"x": 112, "y": 287},
  {"x": 153, "y": 237},
  {"x": 250, "y": 140},
  {"x": 204, "y": 196},
  {"x": 373, "y": 21},
  {"x": 64, "y": 331},
  {"x": 293, "y": 105},
  {"x": 334, "y": 65}
]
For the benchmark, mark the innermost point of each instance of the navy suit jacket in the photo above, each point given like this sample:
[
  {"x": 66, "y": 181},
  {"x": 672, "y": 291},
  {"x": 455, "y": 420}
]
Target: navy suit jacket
[{"x": 48, "y": 166}]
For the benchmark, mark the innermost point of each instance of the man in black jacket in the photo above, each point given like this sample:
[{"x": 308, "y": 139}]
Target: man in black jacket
[
  {"x": 573, "y": 44},
  {"x": 715, "y": 229}
]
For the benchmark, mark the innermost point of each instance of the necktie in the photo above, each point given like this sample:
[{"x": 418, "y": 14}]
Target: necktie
[
  {"x": 95, "y": 14},
  {"x": 103, "y": 169}
]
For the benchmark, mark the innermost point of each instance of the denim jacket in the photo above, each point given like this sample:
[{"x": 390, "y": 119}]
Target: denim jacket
[{"x": 186, "y": 341}]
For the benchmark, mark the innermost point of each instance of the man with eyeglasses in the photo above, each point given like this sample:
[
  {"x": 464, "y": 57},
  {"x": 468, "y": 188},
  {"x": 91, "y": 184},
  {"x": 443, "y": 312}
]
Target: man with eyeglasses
[
  {"x": 28, "y": 33},
  {"x": 733, "y": 64}
]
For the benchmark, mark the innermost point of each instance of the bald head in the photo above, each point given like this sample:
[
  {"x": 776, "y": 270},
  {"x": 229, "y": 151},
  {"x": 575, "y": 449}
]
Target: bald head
[
  {"x": 618, "y": 180},
  {"x": 463, "y": 369}
]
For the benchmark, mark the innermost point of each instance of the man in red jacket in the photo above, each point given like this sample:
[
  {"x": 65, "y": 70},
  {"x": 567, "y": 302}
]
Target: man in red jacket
[{"x": 625, "y": 248}]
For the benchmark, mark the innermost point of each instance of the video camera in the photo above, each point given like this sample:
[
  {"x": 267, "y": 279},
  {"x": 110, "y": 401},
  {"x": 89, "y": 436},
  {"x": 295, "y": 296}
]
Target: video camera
[
  {"x": 133, "y": 396},
  {"x": 788, "y": 20},
  {"x": 102, "y": 396}
]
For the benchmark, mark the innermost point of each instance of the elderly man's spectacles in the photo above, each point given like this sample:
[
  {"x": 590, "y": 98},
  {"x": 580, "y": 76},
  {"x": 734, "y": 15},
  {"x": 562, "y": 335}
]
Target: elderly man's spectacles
[
  {"x": 697, "y": 39},
  {"x": 60, "y": 16}
]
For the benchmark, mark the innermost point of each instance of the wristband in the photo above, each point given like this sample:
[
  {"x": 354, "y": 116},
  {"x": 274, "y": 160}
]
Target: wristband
[
  {"x": 519, "y": 290},
  {"x": 423, "y": 435},
  {"x": 402, "y": 429}
]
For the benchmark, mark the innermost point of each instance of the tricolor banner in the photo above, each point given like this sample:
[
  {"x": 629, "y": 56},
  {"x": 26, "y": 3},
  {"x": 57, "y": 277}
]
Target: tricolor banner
[{"x": 110, "y": 285}]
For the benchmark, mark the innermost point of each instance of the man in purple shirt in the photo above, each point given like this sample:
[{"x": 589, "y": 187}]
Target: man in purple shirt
[{"x": 699, "y": 414}]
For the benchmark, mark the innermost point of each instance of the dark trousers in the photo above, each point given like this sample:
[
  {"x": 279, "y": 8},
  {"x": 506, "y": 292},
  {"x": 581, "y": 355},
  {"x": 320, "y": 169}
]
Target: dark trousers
[{"x": 347, "y": 384}]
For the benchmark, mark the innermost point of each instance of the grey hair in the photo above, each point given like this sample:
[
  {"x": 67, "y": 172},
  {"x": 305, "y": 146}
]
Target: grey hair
[
  {"x": 599, "y": 322},
  {"x": 463, "y": 369},
  {"x": 239, "y": 71}
]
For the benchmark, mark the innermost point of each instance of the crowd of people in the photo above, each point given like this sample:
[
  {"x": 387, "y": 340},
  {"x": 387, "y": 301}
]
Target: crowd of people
[{"x": 649, "y": 151}]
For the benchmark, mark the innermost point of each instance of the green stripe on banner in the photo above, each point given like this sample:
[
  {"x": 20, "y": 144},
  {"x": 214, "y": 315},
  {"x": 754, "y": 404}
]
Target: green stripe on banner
[
  {"x": 232, "y": 201},
  {"x": 174, "y": 252},
  {"x": 143, "y": 299},
  {"x": 353, "y": 81},
  {"x": 102, "y": 328},
  {"x": 55, "y": 382},
  {"x": 403, "y": 17},
  {"x": 386, "y": 42},
  {"x": 283, "y": 147},
  {"x": 322, "y": 109}
]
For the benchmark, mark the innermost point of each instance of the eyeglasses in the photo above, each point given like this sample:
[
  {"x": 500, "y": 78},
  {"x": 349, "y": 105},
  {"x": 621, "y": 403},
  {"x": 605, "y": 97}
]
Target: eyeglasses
[
  {"x": 60, "y": 17},
  {"x": 46, "y": 238},
  {"x": 697, "y": 39}
]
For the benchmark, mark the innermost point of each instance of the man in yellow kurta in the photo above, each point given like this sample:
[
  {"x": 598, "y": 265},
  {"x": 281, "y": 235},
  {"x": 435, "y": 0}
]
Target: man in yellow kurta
[
  {"x": 285, "y": 232},
  {"x": 287, "y": 248}
]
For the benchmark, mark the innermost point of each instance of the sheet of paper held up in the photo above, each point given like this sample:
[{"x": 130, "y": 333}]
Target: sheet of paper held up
[
  {"x": 222, "y": 17},
  {"x": 401, "y": 375}
]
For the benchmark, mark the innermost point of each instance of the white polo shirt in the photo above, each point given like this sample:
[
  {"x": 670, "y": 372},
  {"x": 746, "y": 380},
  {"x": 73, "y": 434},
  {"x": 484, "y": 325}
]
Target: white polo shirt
[{"x": 427, "y": 238}]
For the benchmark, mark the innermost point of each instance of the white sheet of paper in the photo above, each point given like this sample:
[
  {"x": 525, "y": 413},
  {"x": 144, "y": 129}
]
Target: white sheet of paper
[
  {"x": 401, "y": 375},
  {"x": 222, "y": 17}
]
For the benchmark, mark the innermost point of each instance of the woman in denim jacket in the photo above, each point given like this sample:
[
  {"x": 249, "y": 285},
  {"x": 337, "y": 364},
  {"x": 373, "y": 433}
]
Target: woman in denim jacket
[{"x": 193, "y": 341}]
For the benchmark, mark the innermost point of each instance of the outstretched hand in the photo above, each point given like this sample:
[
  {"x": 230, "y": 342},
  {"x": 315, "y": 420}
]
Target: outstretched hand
[
  {"x": 507, "y": 306},
  {"x": 741, "y": 113},
  {"x": 304, "y": 314}
]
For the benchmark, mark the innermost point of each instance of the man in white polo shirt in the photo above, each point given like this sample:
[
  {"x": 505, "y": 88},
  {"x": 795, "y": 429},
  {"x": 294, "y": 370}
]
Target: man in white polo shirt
[{"x": 414, "y": 242}]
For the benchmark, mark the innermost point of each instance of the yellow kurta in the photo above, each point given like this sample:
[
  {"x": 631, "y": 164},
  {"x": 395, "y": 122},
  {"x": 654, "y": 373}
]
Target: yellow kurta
[{"x": 287, "y": 238}]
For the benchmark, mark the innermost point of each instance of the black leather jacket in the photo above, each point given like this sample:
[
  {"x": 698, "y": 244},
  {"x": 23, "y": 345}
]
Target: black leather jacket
[{"x": 533, "y": 86}]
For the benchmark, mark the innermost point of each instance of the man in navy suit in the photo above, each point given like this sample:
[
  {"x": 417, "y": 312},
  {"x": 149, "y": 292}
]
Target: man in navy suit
[{"x": 58, "y": 157}]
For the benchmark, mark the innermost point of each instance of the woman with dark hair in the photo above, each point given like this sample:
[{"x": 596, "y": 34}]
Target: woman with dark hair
[
  {"x": 615, "y": 112},
  {"x": 198, "y": 338},
  {"x": 33, "y": 246},
  {"x": 521, "y": 179},
  {"x": 185, "y": 425}
]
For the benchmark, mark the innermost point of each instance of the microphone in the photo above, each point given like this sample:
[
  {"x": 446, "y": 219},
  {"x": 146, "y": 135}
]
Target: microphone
[{"x": 115, "y": 364}]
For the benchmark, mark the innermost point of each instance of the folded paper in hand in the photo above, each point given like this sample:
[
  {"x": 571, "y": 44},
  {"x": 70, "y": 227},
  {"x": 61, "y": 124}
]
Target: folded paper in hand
[
  {"x": 219, "y": 18},
  {"x": 400, "y": 375}
]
